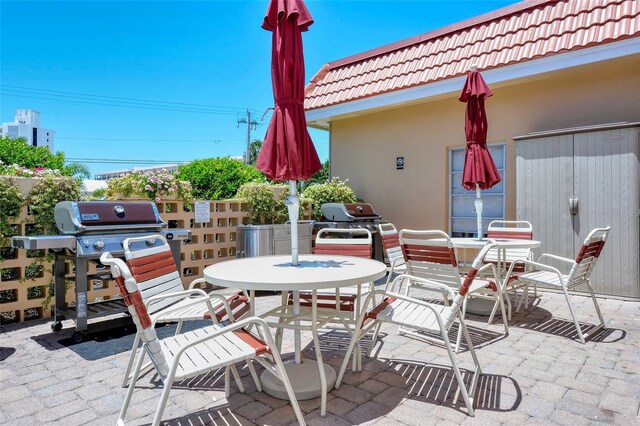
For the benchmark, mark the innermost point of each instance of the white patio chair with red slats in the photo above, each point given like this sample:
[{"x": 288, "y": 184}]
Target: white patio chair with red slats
[
  {"x": 579, "y": 274},
  {"x": 430, "y": 255},
  {"x": 431, "y": 319},
  {"x": 167, "y": 301},
  {"x": 517, "y": 230},
  {"x": 344, "y": 242},
  {"x": 196, "y": 352},
  {"x": 342, "y": 304},
  {"x": 392, "y": 249}
]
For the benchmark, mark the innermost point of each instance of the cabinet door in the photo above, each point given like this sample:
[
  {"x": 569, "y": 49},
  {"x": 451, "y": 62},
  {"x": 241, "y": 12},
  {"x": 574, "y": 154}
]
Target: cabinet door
[
  {"x": 544, "y": 179},
  {"x": 607, "y": 176}
]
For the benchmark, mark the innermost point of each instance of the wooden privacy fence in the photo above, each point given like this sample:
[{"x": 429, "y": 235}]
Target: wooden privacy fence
[{"x": 25, "y": 277}]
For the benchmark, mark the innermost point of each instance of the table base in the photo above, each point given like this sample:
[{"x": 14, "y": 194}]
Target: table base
[
  {"x": 304, "y": 378},
  {"x": 479, "y": 306}
]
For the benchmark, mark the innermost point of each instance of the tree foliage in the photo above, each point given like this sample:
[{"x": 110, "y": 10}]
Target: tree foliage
[
  {"x": 254, "y": 150},
  {"x": 321, "y": 176},
  {"x": 18, "y": 151},
  {"x": 218, "y": 178}
]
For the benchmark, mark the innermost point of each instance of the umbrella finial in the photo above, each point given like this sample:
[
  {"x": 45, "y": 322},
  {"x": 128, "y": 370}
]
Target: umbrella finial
[{"x": 473, "y": 67}]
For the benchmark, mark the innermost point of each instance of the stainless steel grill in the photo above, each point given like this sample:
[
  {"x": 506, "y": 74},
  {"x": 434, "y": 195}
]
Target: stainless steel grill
[
  {"x": 353, "y": 215},
  {"x": 89, "y": 229}
]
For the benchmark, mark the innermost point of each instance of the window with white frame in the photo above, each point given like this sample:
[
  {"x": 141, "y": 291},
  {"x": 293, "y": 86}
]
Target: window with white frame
[{"x": 462, "y": 215}]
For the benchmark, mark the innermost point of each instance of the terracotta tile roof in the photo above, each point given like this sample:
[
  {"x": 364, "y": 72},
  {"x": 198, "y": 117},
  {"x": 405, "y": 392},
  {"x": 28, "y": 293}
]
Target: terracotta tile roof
[{"x": 518, "y": 33}]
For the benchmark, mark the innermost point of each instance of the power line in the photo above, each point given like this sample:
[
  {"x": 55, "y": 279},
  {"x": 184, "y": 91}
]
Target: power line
[
  {"x": 119, "y": 105},
  {"x": 149, "y": 140},
  {"x": 21, "y": 89},
  {"x": 123, "y": 161},
  {"x": 118, "y": 102}
]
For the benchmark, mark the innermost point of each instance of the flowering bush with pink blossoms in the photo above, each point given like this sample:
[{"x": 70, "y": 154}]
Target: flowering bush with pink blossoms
[
  {"x": 152, "y": 185},
  {"x": 20, "y": 171}
]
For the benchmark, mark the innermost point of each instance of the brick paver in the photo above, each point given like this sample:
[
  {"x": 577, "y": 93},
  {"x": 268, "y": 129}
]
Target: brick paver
[{"x": 537, "y": 374}]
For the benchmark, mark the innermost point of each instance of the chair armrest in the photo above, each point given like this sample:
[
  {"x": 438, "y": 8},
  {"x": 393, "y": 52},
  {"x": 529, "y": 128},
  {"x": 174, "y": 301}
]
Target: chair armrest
[
  {"x": 554, "y": 257},
  {"x": 428, "y": 284},
  {"x": 383, "y": 293},
  {"x": 536, "y": 265},
  {"x": 257, "y": 321},
  {"x": 185, "y": 293}
]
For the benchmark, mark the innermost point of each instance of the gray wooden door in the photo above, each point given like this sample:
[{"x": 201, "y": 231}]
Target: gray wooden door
[
  {"x": 606, "y": 185},
  {"x": 544, "y": 169},
  {"x": 601, "y": 170}
]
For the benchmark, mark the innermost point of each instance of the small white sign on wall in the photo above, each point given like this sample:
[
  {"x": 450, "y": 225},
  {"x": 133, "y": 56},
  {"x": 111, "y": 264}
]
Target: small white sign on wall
[{"x": 202, "y": 211}]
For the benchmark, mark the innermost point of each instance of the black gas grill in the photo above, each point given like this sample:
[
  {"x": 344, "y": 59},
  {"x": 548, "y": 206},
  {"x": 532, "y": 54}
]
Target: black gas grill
[{"x": 89, "y": 229}]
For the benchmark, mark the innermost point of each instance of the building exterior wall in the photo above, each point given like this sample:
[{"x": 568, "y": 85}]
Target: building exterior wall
[
  {"x": 364, "y": 148},
  {"x": 26, "y": 125}
]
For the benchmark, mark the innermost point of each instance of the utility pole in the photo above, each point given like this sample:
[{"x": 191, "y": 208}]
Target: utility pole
[{"x": 250, "y": 123}]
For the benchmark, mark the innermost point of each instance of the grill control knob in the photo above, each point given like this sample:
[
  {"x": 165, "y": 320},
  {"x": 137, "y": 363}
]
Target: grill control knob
[{"x": 98, "y": 245}]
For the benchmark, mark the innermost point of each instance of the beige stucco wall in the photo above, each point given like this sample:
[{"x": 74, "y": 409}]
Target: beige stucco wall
[{"x": 364, "y": 148}]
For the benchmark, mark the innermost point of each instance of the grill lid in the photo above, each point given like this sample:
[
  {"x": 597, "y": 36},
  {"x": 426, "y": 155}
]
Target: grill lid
[
  {"x": 348, "y": 212},
  {"x": 77, "y": 217}
]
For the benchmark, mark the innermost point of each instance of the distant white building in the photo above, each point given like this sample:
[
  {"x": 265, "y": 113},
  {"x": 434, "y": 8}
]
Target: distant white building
[
  {"x": 27, "y": 125},
  {"x": 123, "y": 172}
]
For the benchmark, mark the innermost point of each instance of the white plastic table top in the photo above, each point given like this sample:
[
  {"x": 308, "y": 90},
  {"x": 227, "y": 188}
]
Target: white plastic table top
[
  {"x": 503, "y": 243},
  {"x": 316, "y": 271}
]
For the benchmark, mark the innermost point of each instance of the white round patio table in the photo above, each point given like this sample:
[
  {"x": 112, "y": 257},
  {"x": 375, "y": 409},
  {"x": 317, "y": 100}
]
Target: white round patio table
[
  {"x": 314, "y": 272},
  {"x": 483, "y": 306}
]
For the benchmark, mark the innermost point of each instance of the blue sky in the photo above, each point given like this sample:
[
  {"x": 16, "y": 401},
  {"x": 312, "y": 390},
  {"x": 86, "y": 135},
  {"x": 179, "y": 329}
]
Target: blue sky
[{"x": 164, "y": 63}]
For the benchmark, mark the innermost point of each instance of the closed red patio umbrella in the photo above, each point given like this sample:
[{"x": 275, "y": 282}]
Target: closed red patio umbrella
[
  {"x": 287, "y": 152},
  {"x": 479, "y": 171}
]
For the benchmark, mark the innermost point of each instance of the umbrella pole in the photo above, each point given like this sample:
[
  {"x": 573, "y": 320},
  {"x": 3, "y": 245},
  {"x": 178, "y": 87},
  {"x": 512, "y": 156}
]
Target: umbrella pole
[
  {"x": 478, "y": 204},
  {"x": 293, "y": 205}
]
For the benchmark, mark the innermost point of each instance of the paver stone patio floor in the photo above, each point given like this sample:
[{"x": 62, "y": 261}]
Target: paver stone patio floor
[{"x": 538, "y": 374}]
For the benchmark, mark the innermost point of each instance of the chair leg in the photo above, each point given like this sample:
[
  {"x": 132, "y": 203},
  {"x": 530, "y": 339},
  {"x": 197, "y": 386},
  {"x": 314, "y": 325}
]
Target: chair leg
[
  {"x": 323, "y": 377},
  {"x": 461, "y": 318},
  {"x": 595, "y": 304},
  {"x": 573, "y": 315},
  {"x": 254, "y": 375},
  {"x": 500, "y": 300},
  {"x": 134, "y": 350},
  {"x": 282, "y": 374},
  {"x": 525, "y": 296},
  {"x": 468, "y": 399},
  {"x": 132, "y": 385},
  {"x": 227, "y": 382},
  {"x": 374, "y": 339},
  {"x": 163, "y": 401},
  {"x": 355, "y": 339},
  {"x": 236, "y": 377}
]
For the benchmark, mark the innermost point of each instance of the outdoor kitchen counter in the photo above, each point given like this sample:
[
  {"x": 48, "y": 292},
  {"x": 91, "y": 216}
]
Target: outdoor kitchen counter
[{"x": 314, "y": 272}]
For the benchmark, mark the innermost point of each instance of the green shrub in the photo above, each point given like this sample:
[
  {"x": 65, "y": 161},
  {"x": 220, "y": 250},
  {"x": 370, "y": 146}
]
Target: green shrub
[
  {"x": 265, "y": 201},
  {"x": 152, "y": 185},
  {"x": 10, "y": 205},
  {"x": 18, "y": 158},
  {"x": 334, "y": 191},
  {"x": 218, "y": 178},
  {"x": 45, "y": 195}
]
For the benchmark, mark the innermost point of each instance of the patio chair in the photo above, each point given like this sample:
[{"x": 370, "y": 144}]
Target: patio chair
[
  {"x": 167, "y": 301},
  {"x": 344, "y": 242},
  {"x": 431, "y": 319},
  {"x": 430, "y": 255},
  {"x": 511, "y": 229},
  {"x": 579, "y": 274},
  {"x": 392, "y": 249},
  {"x": 342, "y": 303},
  {"x": 193, "y": 353}
]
